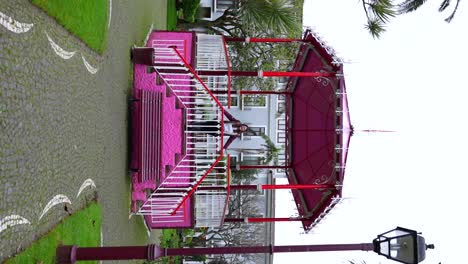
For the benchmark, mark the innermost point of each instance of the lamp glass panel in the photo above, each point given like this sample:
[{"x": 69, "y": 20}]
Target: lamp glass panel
[{"x": 402, "y": 249}]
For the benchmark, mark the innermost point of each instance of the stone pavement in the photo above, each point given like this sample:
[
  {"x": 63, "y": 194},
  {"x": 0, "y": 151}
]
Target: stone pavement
[{"x": 64, "y": 120}]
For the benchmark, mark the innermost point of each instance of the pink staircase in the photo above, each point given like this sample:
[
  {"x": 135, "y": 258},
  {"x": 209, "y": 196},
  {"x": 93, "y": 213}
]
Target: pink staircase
[{"x": 200, "y": 159}]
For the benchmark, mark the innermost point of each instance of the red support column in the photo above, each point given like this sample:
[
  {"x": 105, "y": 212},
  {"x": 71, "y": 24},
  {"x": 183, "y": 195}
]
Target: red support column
[
  {"x": 263, "y": 219},
  {"x": 246, "y": 167},
  {"x": 263, "y": 40},
  {"x": 271, "y": 187},
  {"x": 298, "y": 74},
  {"x": 268, "y": 74},
  {"x": 297, "y": 186},
  {"x": 284, "y": 92},
  {"x": 284, "y": 187},
  {"x": 265, "y": 92}
]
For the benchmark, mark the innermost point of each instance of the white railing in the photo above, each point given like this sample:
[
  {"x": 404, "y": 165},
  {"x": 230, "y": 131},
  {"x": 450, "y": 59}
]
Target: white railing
[
  {"x": 212, "y": 56},
  {"x": 209, "y": 209},
  {"x": 203, "y": 133},
  {"x": 211, "y": 53}
]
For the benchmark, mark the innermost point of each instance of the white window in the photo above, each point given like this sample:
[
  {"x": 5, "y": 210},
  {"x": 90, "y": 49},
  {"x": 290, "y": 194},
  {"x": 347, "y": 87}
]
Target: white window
[
  {"x": 234, "y": 100},
  {"x": 281, "y": 137},
  {"x": 257, "y": 131},
  {"x": 281, "y": 124}
]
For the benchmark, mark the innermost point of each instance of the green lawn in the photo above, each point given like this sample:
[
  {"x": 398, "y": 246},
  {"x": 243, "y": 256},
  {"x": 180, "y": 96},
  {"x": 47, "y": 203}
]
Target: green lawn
[
  {"x": 87, "y": 19},
  {"x": 83, "y": 228},
  {"x": 171, "y": 15}
]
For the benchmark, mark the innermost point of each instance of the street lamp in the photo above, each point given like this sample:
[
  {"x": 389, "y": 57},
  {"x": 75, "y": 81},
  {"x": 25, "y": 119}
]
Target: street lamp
[{"x": 400, "y": 244}]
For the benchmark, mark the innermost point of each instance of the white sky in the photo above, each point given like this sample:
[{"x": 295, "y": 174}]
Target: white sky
[{"x": 411, "y": 80}]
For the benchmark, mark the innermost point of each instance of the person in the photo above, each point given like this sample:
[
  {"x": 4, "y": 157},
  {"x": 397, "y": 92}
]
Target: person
[{"x": 232, "y": 128}]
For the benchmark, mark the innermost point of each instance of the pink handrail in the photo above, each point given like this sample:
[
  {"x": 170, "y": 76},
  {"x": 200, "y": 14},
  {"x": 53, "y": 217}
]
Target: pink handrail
[{"x": 222, "y": 132}]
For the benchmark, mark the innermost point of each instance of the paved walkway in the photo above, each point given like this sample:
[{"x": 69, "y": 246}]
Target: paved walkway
[{"x": 64, "y": 121}]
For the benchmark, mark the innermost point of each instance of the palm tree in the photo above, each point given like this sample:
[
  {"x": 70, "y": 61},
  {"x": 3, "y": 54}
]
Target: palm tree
[
  {"x": 253, "y": 18},
  {"x": 272, "y": 151},
  {"x": 409, "y": 6},
  {"x": 378, "y": 13}
]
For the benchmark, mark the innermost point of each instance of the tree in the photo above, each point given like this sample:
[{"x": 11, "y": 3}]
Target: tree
[
  {"x": 409, "y": 6},
  {"x": 257, "y": 18},
  {"x": 247, "y": 16},
  {"x": 241, "y": 203},
  {"x": 272, "y": 151},
  {"x": 379, "y": 12}
]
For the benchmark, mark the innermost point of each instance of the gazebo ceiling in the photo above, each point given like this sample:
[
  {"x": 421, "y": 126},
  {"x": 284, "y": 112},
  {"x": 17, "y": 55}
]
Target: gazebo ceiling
[{"x": 319, "y": 130}]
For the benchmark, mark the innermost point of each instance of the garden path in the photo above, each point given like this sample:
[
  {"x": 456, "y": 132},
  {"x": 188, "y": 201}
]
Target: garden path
[{"x": 64, "y": 121}]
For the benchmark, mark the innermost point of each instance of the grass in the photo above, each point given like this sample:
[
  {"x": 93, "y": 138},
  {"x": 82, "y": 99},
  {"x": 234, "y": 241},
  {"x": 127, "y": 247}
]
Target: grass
[
  {"x": 171, "y": 15},
  {"x": 87, "y": 19},
  {"x": 190, "y": 9},
  {"x": 83, "y": 228}
]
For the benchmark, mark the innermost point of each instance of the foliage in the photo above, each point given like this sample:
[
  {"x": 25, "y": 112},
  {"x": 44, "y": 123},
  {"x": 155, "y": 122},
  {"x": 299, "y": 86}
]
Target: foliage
[
  {"x": 82, "y": 228},
  {"x": 272, "y": 151},
  {"x": 190, "y": 9},
  {"x": 274, "y": 16},
  {"x": 230, "y": 234},
  {"x": 257, "y": 18},
  {"x": 379, "y": 12},
  {"x": 171, "y": 20},
  {"x": 265, "y": 56},
  {"x": 170, "y": 238},
  {"x": 88, "y": 20},
  {"x": 270, "y": 17},
  {"x": 413, "y": 5},
  {"x": 269, "y": 150},
  {"x": 243, "y": 176}
]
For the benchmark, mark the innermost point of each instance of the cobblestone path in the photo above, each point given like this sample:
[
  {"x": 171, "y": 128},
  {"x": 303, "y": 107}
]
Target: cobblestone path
[{"x": 62, "y": 122}]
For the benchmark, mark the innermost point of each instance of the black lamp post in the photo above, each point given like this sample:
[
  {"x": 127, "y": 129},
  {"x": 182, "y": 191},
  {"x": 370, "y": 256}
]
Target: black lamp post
[{"x": 400, "y": 244}]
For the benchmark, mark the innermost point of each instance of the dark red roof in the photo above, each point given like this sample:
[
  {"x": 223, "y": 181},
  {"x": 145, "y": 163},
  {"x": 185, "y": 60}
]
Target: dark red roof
[{"x": 320, "y": 130}]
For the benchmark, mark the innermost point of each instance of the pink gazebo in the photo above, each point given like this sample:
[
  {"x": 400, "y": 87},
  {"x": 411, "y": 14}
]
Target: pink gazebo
[{"x": 181, "y": 175}]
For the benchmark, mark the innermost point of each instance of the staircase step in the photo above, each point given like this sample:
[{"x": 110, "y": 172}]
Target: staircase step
[
  {"x": 150, "y": 69},
  {"x": 178, "y": 104},
  {"x": 177, "y": 158},
  {"x": 168, "y": 170},
  {"x": 159, "y": 80},
  {"x": 169, "y": 92}
]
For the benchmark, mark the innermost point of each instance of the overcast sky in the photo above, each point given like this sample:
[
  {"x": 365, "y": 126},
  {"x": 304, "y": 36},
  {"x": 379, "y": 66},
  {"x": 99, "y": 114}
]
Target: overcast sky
[{"x": 412, "y": 80}]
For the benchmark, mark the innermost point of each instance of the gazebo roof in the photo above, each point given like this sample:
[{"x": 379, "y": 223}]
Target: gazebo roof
[{"x": 319, "y": 130}]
